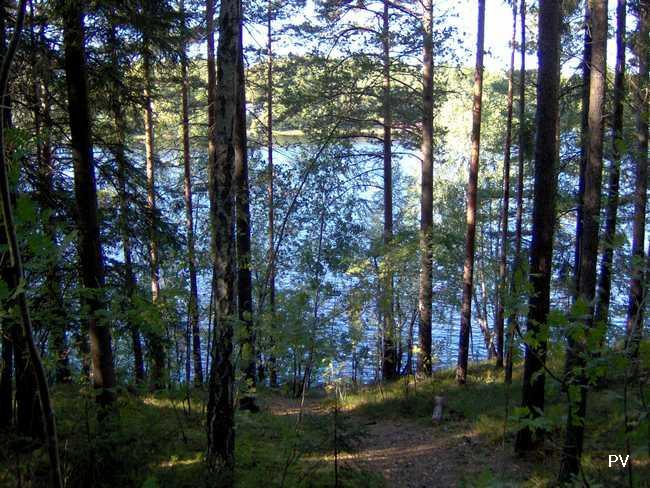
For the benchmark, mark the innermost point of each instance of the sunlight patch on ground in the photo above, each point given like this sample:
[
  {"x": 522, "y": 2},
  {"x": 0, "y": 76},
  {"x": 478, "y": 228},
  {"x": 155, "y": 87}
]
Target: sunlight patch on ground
[
  {"x": 157, "y": 402},
  {"x": 174, "y": 461}
]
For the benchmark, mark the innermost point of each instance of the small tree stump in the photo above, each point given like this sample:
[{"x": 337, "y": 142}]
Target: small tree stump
[{"x": 438, "y": 409}]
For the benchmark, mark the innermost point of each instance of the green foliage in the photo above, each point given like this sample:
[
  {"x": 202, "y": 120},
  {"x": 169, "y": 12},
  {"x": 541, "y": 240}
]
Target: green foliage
[{"x": 157, "y": 441}]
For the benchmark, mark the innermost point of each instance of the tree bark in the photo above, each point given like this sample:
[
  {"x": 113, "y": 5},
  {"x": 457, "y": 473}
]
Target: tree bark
[
  {"x": 154, "y": 339},
  {"x": 584, "y": 127},
  {"x": 273, "y": 374},
  {"x": 119, "y": 152},
  {"x": 636, "y": 299},
  {"x": 505, "y": 208},
  {"x": 16, "y": 263},
  {"x": 223, "y": 141},
  {"x": 244, "y": 273},
  {"x": 389, "y": 351},
  {"x": 53, "y": 299},
  {"x": 193, "y": 304},
  {"x": 577, "y": 349},
  {"x": 517, "y": 263},
  {"x": 605, "y": 277},
  {"x": 90, "y": 250},
  {"x": 541, "y": 250},
  {"x": 472, "y": 191},
  {"x": 426, "y": 199}
]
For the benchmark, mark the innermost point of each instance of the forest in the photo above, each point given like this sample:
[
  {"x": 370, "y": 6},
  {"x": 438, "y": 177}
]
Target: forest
[{"x": 324, "y": 243}]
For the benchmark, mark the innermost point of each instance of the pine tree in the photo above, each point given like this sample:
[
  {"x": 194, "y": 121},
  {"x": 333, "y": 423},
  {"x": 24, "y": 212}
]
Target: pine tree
[
  {"x": 472, "y": 193},
  {"x": 541, "y": 249}
]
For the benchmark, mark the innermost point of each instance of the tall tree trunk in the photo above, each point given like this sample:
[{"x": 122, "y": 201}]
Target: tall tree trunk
[
  {"x": 636, "y": 299},
  {"x": 389, "y": 351},
  {"x": 28, "y": 416},
  {"x": 53, "y": 299},
  {"x": 212, "y": 152},
  {"x": 505, "y": 208},
  {"x": 244, "y": 272},
  {"x": 577, "y": 348},
  {"x": 605, "y": 277},
  {"x": 584, "y": 127},
  {"x": 273, "y": 374},
  {"x": 6, "y": 376},
  {"x": 541, "y": 250},
  {"x": 472, "y": 187},
  {"x": 90, "y": 250},
  {"x": 223, "y": 139},
  {"x": 6, "y": 365},
  {"x": 426, "y": 199},
  {"x": 517, "y": 263},
  {"x": 193, "y": 305},
  {"x": 16, "y": 262},
  {"x": 154, "y": 339},
  {"x": 119, "y": 152}
]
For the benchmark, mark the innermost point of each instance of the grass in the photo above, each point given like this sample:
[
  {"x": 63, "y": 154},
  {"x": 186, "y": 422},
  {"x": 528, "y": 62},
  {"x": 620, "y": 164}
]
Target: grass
[
  {"x": 478, "y": 410},
  {"x": 157, "y": 442}
]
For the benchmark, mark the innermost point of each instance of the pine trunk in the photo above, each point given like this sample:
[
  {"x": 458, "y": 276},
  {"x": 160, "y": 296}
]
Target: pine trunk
[
  {"x": 273, "y": 374},
  {"x": 605, "y": 278},
  {"x": 90, "y": 251},
  {"x": 636, "y": 299},
  {"x": 577, "y": 350},
  {"x": 119, "y": 152},
  {"x": 193, "y": 304},
  {"x": 223, "y": 141},
  {"x": 505, "y": 206},
  {"x": 541, "y": 250},
  {"x": 584, "y": 127},
  {"x": 389, "y": 351},
  {"x": 472, "y": 192},
  {"x": 154, "y": 338},
  {"x": 519, "y": 213},
  {"x": 426, "y": 201},
  {"x": 244, "y": 272}
]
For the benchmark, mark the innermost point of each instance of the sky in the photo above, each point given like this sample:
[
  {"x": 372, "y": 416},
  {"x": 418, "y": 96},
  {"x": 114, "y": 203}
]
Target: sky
[
  {"x": 464, "y": 13},
  {"x": 498, "y": 30}
]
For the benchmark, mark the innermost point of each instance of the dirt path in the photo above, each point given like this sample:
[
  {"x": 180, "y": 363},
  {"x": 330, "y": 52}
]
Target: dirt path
[
  {"x": 409, "y": 454},
  {"x": 415, "y": 454}
]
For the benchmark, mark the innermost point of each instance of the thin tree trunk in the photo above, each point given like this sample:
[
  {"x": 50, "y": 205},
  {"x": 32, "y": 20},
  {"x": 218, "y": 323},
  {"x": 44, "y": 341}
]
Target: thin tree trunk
[
  {"x": 505, "y": 208},
  {"x": 6, "y": 274},
  {"x": 273, "y": 374},
  {"x": 472, "y": 190},
  {"x": 244, "y": 272},
  {"x": 635, "y": 306},
  {"x": 409, "y": 345},
  {"x": 223, "y": 139},
  {"x": 517, "y": 263},
  {"x": 577, "y": 350},
  {"x": 482, "y": 316},
  {"x": 584, "y": 127},
  {"x": 389, "y": 348},
  {"x": 193, "y": 305},
  {"x": 426, "y": 199},
  {"x": 16, "y": 263},
  {"x": 605, "y": 277},
  {"x": 6, "y": 376},
  {"x": 119, "y": 152},
  {"x": 541, "y": 250},
  {"x": 57, "y": 325},
  {"x": 154, "y": 338},
  {"x": 212, "y": 151}
]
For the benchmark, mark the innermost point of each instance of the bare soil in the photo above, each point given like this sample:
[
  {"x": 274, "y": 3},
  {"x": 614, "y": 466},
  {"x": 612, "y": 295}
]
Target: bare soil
[{"x": 417, "y": 455}]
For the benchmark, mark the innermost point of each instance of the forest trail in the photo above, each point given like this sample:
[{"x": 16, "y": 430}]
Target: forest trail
[{"x": 414, "y": 454}]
